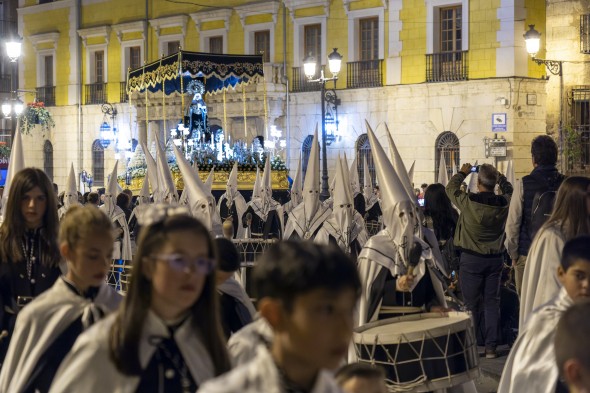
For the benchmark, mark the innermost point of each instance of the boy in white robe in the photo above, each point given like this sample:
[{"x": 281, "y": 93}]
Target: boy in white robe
[
  {"x": 307, "y": 293},
  {"x": 47, "y": 328},
  {"x": 530, "y": 366},
  {"x": 571, "y": 347}
]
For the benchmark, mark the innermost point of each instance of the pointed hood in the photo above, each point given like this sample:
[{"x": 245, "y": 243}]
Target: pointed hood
[
  {"x": 209, "y": 181},
  {"x": 443, "y": 177},
  {"x": 344, "y": 162},
  {"x": 355, "y": 184},
  {"x": 152, "y": 172},
  {"x": 256, "y": 191},
  {"x": 397, "y": 206},
  {"x": 144, "y": 194},
  {"x": 266, "y": 182},
  {"x": 166, "y": 183},
  {"x": 343, "y": 210},
  {"x": 510, "y": 173},
  {"x": 311, "y": 185},
  {"x": 368, "y": 184},
  {"x": 400, "y": 168},
  {"x": 71, "y": 192},
  {"x": 111, "y": 192},
  {"x": 411, "y": 172},
  {"x": 231, "y": 188},
  {"x": 16, "y": 163},
  {"x": 297, "y": 186},
  {"x": 200, "y": 202}
]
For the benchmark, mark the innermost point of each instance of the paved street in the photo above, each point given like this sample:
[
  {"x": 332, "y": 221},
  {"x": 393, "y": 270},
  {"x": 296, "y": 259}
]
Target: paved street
[{"x": 491, "y": 371}]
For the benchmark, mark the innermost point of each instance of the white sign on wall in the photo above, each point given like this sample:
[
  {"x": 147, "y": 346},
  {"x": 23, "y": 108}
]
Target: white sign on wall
[{"x": 499, "y": 122}]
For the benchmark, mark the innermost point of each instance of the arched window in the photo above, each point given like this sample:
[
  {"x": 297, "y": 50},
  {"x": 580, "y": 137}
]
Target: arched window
[
  {"x": 305, "y": 152},
  {"x": 447, "y": 143},
  {"x": 363, "y": 149},
  {"x": 48, "y": 159},
  {"x": 98, "y": 163}
]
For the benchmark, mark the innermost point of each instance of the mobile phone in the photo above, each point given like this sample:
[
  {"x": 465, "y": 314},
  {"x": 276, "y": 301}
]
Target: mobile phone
[
  {"x": 475, "y": 169},
  {"x": 421, "y": 201}
]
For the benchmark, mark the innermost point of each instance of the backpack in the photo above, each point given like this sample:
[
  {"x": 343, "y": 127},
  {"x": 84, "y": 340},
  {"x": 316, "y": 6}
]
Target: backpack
[{"x": 543, "y": 202}]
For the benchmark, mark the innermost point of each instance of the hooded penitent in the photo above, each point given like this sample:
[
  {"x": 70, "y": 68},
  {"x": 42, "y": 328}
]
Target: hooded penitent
[
  {"x": 111, "y": 192},
  {"x": 297, "y": 187},
  {"x": 257, "y": 188},
  {"x": 200, "y": 202},
  {"x": 16, "y": 164},
  {"x": 443, "y": 177},
  {"x": 355, "y": 184},
  {"x": 144, "y": 194},
  {"x": 343, "y": 210},
  {"x": 368, "y": 192},
  {"x": 264, "y": 203},
  {"x": 71, "y": 194},
  {"x": 400, "y": 168},
  {"x": 209, "y": 181},
  {"x": 231, "y": 187},
  {"x": 166, "y": 183},
  {"x": 122, "y": 249},
  {"x": 397, "y": 207},
  {"x": 411, "y": 173}
]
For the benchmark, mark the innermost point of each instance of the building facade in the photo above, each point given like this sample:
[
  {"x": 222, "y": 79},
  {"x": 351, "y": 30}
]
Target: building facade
[{"x": 446, "y": 76}]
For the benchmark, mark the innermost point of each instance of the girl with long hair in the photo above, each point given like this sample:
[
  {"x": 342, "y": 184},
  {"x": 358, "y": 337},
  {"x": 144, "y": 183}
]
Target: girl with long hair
[
  {"x": 439, "y": 213},
  {"x": 47, "y": 328},
  {"x": 29, "y": 255},
  {"x": 166, "y": 336},
  {"x": 570, "y": 218}
]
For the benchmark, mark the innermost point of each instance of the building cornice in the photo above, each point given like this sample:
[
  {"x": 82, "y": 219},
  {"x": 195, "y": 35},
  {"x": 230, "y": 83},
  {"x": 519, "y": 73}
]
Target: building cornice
[
  {"x": 129, "y": 27},
  {"x": 169, "y": 21},
  {"x": 37, "y": 39},
  {"x": 347, "y": 3},
  {"x": 210, "y": 16},
  {"x": 35, "y": 9},
  {"x": 260, "y": 8},
  {"x": 294, "y": 5},
  {"x": 98, "y": 31}
]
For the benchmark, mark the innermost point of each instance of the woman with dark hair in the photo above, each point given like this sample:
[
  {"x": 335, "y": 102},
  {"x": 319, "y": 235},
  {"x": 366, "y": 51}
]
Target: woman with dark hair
[
  {"x": 570, "y": 218},
  {"x": 441, "y": 217},
  {"x": 29, "y": 254},
  {"x": 166, "y": 336}
]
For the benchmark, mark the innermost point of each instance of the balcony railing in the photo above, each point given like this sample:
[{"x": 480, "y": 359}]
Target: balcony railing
[
  {"x": 95, "y": 93},
  {"x": 366, "y": 73},
  {"x": 5, "y": 83},
  {"x": 447, "y": 67},
  {"x": 46, "y": 95},
  {"x": 300, "y": 82},
  {"x": 123, "y": 97}
]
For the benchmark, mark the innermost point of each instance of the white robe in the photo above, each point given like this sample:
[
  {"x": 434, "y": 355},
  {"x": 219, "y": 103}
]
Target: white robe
[
  {"x": 357, "y": 231},
  {"x": 89, "y": 365},
  {"x": 122, "y": 249},
  {"x": 40, "y": 323},
  {"x": 540, "y": 283},
  {"x": 530, "y": 366},
  {"x": 296, "y": 222},
  {"x": 262, "y": 375},
  {"x": 243, "y": 344}
]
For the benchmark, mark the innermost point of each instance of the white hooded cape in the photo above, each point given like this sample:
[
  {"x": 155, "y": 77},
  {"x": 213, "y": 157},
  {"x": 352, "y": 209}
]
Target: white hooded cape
[
  {"x": 531, "y": 366},
  {"x": 296, "y": 221},
  {"x": 243, "y": 344},
  {"x": 356, "y": 232},
  {"x": 89, "y": 363},
  {"x": 40, "y": 323}
]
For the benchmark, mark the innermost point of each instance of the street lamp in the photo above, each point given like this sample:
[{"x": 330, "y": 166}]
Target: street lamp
[
  {"x": 13, "y": 49},
  {"x": 532, "y": 40},
  {"x": 107, "y": 134},
  {"x": 13, "y": 106},
  {"x": 327, "y": 96}
]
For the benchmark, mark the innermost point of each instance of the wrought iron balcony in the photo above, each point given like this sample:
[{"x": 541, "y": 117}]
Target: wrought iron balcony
[
  {"x": 300, "y": 83},
  {"x": 46, "y": 95},
  {"x": 95, "y": 93},
  {"x": 366, "y": 73},
  {"x": 447, "y": 67},
  {"x": 123, "y": 97}
]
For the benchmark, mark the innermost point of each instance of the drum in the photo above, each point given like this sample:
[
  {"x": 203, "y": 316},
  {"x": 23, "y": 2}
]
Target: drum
[{"x": 421, "y": 352}]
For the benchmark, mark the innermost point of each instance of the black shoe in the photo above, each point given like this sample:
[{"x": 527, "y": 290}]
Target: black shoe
[{"x": 491, "y": 353}]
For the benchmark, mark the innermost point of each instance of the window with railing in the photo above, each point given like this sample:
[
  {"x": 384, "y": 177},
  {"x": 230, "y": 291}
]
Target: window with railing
[
  {"x": 585, "y": 33},
  {"x": 46, "y": 94},
  {"x": 578, "y": 143},
  {"x": 449, "y": 61},
  {"x": 48, "y": 159},
  {"x": 300, "y": 82},
  {"x": 98, "y": 163},
  {"x": 367, "y": 73},
  {"x": 447, "y": 145},
  {"x": 447, "y": 67},
  {"x": 369, "y": 39},
  {"x": 95, "y": 93},
  {"x": 312, "y": 41}
]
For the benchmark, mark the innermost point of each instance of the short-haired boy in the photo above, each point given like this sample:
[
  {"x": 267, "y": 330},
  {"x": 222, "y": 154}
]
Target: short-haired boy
[
  {"x": 572, "y": 347},
  {"x": 361, "y": 378},
  {"x": 531, "y": 364},
  {"x": 308, "y": 294}
]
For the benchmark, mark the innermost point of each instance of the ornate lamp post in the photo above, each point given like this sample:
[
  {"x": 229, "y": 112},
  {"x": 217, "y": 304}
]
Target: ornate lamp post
[
  {"x": 532, "y": 39},
  {"x": 327, "y": 96},
  {"x": 107, "y": 134}
]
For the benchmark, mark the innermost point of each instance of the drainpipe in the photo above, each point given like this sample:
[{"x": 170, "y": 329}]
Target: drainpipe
[
  {"x": 286, "y": 82},
  {"x": 80, "y": 87}
]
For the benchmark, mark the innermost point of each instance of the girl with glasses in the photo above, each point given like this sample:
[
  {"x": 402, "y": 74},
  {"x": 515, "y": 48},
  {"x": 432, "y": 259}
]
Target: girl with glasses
[{"x": 166, "y": 336}]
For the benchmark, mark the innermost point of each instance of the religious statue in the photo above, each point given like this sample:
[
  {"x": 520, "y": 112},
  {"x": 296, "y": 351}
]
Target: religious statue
[{"x": 197, "y": 113}]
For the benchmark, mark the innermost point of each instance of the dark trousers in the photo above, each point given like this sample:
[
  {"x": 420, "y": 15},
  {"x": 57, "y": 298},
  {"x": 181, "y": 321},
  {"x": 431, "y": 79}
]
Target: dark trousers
[{"x": 480, "y": 280}]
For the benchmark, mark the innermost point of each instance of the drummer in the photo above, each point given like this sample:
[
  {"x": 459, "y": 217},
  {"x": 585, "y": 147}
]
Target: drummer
[{"x": 394, "y": 263}]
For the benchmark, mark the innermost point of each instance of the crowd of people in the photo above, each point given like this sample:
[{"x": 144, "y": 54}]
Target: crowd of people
[{"x": 186, "y": 323}]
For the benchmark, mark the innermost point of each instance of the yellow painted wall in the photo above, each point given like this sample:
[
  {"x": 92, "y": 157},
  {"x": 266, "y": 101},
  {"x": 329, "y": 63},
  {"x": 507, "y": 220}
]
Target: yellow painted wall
[
  {"x": 413, "y": 37},
  {"x": 536, "y": 15},
  {"x": 483, "y": 27}
]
